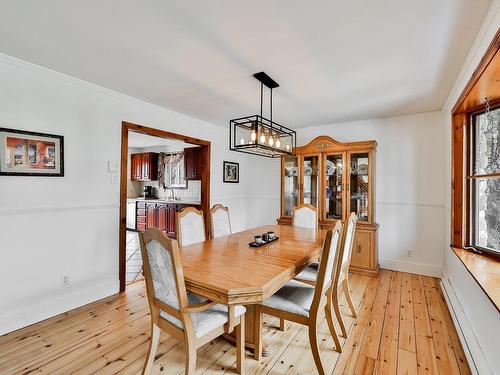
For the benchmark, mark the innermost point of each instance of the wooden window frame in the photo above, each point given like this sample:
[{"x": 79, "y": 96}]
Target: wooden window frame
[
  {"x": 483, "y": 83},
  {"x": 470, "y": 214}
]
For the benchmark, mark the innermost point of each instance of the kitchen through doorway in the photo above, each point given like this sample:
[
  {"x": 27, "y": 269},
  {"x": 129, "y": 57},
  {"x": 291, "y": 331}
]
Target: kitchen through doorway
[{"x": 162, "y": 173}]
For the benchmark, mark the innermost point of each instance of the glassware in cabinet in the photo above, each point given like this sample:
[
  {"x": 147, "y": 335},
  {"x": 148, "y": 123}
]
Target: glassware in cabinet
[
  {"x": 290, "y": 182},
  {"x": 359, "y": 184}
]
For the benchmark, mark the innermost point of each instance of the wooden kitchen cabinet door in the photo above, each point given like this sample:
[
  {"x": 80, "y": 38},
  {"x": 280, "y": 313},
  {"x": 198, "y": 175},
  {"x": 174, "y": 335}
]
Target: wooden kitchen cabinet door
[
  {"x": 151, "y": 215},
  {"x": 136, "y": 167},
  {"x": 162, "y": 212},
  {"x": 171, "y": 227},
  {"x": 192, "y": 163}
]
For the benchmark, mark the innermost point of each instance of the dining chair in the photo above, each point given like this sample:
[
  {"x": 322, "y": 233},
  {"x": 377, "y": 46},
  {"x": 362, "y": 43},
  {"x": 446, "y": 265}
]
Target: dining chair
[
  {"x": 310, "y": 274},
  {"x": 305, "y": 216},
  {"x": 190, "y": 226},
  {"x": 189, "y": 318},
  {"x": 220, "y": 224},
  {"x": 305, "y": 304}
]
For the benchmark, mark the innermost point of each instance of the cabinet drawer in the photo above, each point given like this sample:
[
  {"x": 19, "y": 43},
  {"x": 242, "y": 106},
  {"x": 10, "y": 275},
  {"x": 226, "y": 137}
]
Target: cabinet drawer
[
  {"x": 141, "y": 219},
  {"x": 141, "y": 204},
  {"x": 362, "y": 250},
  {"x": 141, "y": 212}
]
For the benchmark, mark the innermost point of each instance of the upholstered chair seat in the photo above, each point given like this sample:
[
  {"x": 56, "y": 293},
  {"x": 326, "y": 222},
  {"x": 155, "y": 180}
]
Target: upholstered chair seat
[
  {"x": 295, "y": 297},
  {"x": 310, "y": 273},
  {"x": 208, "y": 320}
]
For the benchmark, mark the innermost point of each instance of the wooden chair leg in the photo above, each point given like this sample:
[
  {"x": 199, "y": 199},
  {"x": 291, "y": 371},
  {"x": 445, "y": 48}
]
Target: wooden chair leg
[
  {"x": 257, "y": 350},
  {"x": 313, "y": 342},
  {"x": 240, "y": 346},
  {"x": 338, "y": 314},
  {"x": 331, "y": 326},
  {"x": 153, "y": 345},
  {"x": 282, "y": 324},
  {"x": 190, "y": 362},
  {"x": 345, "y": 285}
]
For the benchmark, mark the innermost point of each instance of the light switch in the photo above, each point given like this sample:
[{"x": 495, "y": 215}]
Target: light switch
[{"x": 113, "y": 166}]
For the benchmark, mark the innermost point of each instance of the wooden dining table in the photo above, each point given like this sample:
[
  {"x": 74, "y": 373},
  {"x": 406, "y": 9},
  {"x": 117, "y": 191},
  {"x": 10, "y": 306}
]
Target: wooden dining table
[{"x": 227, "y": 270}]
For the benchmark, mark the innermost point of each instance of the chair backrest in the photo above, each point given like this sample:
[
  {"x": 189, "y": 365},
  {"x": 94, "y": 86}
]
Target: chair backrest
[
  {"x": 220, "y": 224},
  {"x": 190, "y": 226},
  {"x": 329, "y": 264},
  {"x": 163, "y": 274},
  {"x": 305, "y": 216},
  {"x": 348, "y": 240}
]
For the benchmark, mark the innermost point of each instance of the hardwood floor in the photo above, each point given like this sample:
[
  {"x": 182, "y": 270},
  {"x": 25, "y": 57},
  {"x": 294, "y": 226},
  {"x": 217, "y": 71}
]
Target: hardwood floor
[{"x": 403, "y": 327}]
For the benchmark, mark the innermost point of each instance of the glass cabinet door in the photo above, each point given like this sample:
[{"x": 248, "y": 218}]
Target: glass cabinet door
[
  {"x": 359, "y": 184},
  {"x": 310, "y": 175},
  {"x": 290, "y": 184},
  {"x": 334, "y": 187}
]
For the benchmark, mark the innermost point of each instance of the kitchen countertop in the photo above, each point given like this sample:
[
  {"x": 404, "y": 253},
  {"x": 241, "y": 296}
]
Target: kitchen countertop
[{"x": 162, "y": 200}]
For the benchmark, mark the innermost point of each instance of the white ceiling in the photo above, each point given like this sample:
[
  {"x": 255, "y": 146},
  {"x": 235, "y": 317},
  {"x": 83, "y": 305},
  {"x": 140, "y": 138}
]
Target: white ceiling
[
  {"x": 335, "y": 60},
  {"x": 139, "y": 140}
]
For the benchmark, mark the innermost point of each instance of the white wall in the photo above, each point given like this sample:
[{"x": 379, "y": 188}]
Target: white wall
[
  {"x": 480, "y": 321},
  {"x": 409, "y": 186},
  {"x": 56, "y": 227}
]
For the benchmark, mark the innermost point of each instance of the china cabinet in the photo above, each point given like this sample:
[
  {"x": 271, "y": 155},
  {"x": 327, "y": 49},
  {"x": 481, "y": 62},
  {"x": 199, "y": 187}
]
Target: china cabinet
[{"x": 337, "y": 178}]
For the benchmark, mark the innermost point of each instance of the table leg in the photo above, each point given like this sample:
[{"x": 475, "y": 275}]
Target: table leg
[{"x": 253, "y": 333}]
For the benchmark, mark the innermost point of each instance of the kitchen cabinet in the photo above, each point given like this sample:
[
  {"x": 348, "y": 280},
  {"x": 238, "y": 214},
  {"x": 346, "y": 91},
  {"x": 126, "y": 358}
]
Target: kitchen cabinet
[
  {"x": 144, "y": 166},
  {"x": 159, "y": 215},
  {"x": 337, "y": 178},
  {"x": 193, "y": 160}
]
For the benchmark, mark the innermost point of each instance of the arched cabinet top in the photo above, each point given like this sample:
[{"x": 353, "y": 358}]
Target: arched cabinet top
[{"x": 325, "y": 143}]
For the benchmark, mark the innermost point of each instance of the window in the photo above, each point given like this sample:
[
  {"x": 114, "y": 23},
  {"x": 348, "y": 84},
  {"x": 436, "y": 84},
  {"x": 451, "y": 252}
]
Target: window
[{"x": 483, "y": 178}]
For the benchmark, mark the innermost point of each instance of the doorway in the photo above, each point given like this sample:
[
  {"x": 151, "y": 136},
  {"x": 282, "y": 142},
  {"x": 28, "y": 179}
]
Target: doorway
[{"x": 140, "y": 166}]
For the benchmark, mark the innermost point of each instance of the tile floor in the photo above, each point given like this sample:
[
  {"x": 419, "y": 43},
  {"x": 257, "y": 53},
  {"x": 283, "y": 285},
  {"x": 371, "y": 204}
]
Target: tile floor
[{"x": 133, "y": 265}]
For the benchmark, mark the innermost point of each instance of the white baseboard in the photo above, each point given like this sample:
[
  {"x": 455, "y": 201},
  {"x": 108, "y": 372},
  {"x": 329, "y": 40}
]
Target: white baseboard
[
  {"x": 54, "y": 305},
  {"x": 411, "y": 267},
  {"x": 475, "y": 357}
]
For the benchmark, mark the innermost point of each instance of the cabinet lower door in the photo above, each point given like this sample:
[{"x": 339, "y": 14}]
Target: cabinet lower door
[
  {"x": 364, "y": 251},
  {"x": 171, "y": 227},
  {"x": 162, "y": 217},
  {"x": 151, "y": 216}
]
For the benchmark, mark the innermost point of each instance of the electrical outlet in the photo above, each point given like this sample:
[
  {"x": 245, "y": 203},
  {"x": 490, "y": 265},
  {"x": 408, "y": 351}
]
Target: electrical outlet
[
  {"x": 410, "y": 253},
  {"x": 114, "y": 179}
]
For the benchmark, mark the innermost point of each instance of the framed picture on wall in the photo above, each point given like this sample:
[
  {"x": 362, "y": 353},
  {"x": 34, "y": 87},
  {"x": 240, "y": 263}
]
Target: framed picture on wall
[
  {"x": 25, "y": 153},
  {"x": 231, "y": 172}
]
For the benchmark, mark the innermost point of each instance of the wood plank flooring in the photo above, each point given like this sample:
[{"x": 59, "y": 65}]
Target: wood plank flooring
[{"x": 403, "y": 327}]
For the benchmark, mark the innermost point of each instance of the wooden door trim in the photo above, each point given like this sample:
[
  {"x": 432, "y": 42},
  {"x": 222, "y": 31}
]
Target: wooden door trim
[
  {"x": 470, "y": 100},
  {"x": 205, "y": 182}
]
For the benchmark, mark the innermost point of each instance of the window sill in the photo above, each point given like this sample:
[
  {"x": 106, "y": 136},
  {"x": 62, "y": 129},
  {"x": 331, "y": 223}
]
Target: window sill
[{"x": 485, "y": 270}]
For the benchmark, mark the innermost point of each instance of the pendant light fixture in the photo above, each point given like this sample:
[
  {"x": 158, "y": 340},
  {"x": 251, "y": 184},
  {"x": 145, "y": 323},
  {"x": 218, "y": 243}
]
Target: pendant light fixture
[{"x": 258, "y": 135}]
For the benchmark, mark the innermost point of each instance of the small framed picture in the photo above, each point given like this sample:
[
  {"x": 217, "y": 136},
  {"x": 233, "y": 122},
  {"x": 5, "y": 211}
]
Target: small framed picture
[
  {"x": 25, "y": 153},
  {"x": 231, "y": 172}
]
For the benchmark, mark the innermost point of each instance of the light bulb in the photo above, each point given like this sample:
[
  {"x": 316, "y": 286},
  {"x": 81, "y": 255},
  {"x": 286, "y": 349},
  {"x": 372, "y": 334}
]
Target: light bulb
[
  {"x": 253, "y": 136},
  {"x": 242, "y": 141},
  {"x": 278, "y": 143},
  {"x": 271, "y": 141},
  {"x": 262, "y": 138},
  {"x": 287, "y": 147}
]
